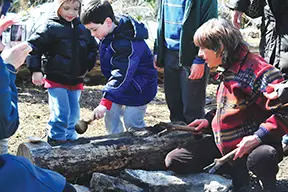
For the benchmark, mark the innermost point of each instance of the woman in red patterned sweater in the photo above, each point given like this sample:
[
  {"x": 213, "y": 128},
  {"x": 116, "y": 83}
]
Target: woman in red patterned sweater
[{"x": 242, "y": 119}]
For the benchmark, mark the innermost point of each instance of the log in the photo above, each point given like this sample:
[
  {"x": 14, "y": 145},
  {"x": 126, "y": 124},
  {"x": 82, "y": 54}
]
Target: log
[{"x": 133, "y": 150}]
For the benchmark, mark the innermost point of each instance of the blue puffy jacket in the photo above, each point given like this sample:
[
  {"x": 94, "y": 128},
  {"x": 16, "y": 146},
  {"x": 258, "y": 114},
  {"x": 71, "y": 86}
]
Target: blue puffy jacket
[
  {"x": 19, "y": 174},
  {"x": 127, "y": 63},
  {"x": 9, "y": 119}
]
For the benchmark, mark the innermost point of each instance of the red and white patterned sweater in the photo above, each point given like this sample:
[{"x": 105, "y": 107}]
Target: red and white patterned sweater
[{"x": 241, "y": 107}]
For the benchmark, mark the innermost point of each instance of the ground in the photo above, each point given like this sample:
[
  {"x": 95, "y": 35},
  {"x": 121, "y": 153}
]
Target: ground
[{"x": 34, "y": 114}]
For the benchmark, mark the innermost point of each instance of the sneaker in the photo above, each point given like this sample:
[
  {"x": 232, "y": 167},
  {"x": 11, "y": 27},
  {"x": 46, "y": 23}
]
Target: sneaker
[{"x": 54, "y": 142}]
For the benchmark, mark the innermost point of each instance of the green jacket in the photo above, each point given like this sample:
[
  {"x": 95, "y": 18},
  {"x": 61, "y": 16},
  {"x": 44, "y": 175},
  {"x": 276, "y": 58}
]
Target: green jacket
[{"x": 196, "y": 13}]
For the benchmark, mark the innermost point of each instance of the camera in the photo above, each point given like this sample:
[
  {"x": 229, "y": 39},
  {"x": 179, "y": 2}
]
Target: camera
[{"x": 18, "y": 32}]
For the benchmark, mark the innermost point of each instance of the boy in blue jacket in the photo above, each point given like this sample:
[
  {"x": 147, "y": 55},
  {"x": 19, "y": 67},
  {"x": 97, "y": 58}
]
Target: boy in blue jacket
[{"x": 126, "y": 61}]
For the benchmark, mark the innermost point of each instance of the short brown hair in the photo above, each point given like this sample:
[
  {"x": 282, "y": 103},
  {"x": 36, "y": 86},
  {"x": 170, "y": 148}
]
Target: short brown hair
[
  {"x": 96, "y": 11},
  {"x": 222, "y": 37}
]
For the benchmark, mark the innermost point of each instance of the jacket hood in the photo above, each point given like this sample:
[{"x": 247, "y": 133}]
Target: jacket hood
[
  {"x": 58, "y": 3},
  {"x": 55, "y": 17},
  {"x": 131, "y": 29}
]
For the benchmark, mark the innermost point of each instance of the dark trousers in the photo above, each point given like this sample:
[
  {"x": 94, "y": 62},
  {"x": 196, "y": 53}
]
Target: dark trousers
[
  {"x": 185, "y": 97},
  {"x": 262, "y": 161}
]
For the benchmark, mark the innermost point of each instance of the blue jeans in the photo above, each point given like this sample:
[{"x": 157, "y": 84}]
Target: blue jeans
[
  {"x": 133, "y": 116},
  {"x": 3, "y": 146},
  {"x": 64, "y": 113}
]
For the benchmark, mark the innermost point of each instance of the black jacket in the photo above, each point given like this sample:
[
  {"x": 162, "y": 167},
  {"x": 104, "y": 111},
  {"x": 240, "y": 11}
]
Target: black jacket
[
  {"x": 69, "y": 49},
  {"x": 274, "y": 31}
]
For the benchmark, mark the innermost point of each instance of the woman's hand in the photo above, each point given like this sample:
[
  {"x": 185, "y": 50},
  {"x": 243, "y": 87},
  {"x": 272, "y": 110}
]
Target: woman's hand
[
  {"x": 199, "y": 124},
  {"x": 197, "y": 71},
  {"x": 246, "y": 145}
]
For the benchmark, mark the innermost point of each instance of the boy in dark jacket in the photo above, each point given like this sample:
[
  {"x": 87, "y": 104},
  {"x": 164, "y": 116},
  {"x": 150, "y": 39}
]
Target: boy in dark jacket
[
  {"x": 70, "y": 52},
  {"x": 126, "y": 61}
]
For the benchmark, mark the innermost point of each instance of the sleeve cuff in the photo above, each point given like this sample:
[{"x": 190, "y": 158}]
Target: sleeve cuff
[
  {"x": 198, "y": 60},
  {"x": 11, "y": 68},
  {"x": 261, "y": 132},
  {"x": 107, "y": 103}
]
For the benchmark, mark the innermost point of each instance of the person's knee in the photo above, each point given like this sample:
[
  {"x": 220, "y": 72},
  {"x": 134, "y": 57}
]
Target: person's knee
[{"x": 262, "y": 157}]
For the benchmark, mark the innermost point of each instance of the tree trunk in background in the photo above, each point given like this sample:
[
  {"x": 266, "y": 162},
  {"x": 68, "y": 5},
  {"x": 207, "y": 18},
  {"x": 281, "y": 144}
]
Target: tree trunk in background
[{"x": 134, "y": 150}]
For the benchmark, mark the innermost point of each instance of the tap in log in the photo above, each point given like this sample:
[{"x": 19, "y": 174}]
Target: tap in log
[{"x": 134, "y": 150}]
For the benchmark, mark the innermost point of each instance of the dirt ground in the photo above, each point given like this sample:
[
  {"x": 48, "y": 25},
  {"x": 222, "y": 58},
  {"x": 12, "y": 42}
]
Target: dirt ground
[{"x": 34, "y": 114}]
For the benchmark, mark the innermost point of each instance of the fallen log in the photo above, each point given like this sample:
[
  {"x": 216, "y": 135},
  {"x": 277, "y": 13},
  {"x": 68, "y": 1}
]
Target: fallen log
[{"x": 133, "y": 150}]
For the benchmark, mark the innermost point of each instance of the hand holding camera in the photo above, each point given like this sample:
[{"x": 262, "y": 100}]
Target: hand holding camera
[{"x": 16, "y": 55}]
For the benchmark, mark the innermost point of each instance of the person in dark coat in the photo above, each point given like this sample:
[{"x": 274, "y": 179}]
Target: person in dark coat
[{"x": 70, "y": 52}]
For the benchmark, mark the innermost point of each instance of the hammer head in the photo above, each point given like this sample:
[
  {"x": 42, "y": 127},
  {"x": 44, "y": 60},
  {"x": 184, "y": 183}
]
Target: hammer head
[{"x": 81, "y": 127}]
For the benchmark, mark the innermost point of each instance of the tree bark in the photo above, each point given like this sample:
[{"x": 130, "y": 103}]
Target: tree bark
[{"x": 134, "y": 150}]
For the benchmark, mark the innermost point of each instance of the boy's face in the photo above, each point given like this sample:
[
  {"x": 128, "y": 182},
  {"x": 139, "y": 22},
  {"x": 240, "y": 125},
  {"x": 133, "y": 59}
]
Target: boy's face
[
  {"x": 69, "y": 10},
  {"x": 100, "y": 31}
]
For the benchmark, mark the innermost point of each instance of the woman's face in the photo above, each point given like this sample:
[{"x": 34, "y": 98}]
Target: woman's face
[{"x": 210, "y": 57}]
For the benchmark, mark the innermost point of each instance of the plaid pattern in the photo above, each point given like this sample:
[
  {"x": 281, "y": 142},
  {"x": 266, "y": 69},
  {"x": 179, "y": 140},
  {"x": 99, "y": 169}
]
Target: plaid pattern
[{"x": 241, "y": 105}]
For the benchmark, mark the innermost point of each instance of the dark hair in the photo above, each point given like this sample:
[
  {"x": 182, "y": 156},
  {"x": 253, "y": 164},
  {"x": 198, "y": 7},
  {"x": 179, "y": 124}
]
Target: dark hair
[
  {"x": 96, "y": 11},
  {"x": 222, "y": 37}
]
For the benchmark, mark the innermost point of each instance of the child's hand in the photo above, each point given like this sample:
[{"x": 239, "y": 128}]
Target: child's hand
[
  {"x": 37, "y": 78},
  {"x": 99, "y": 111}
]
